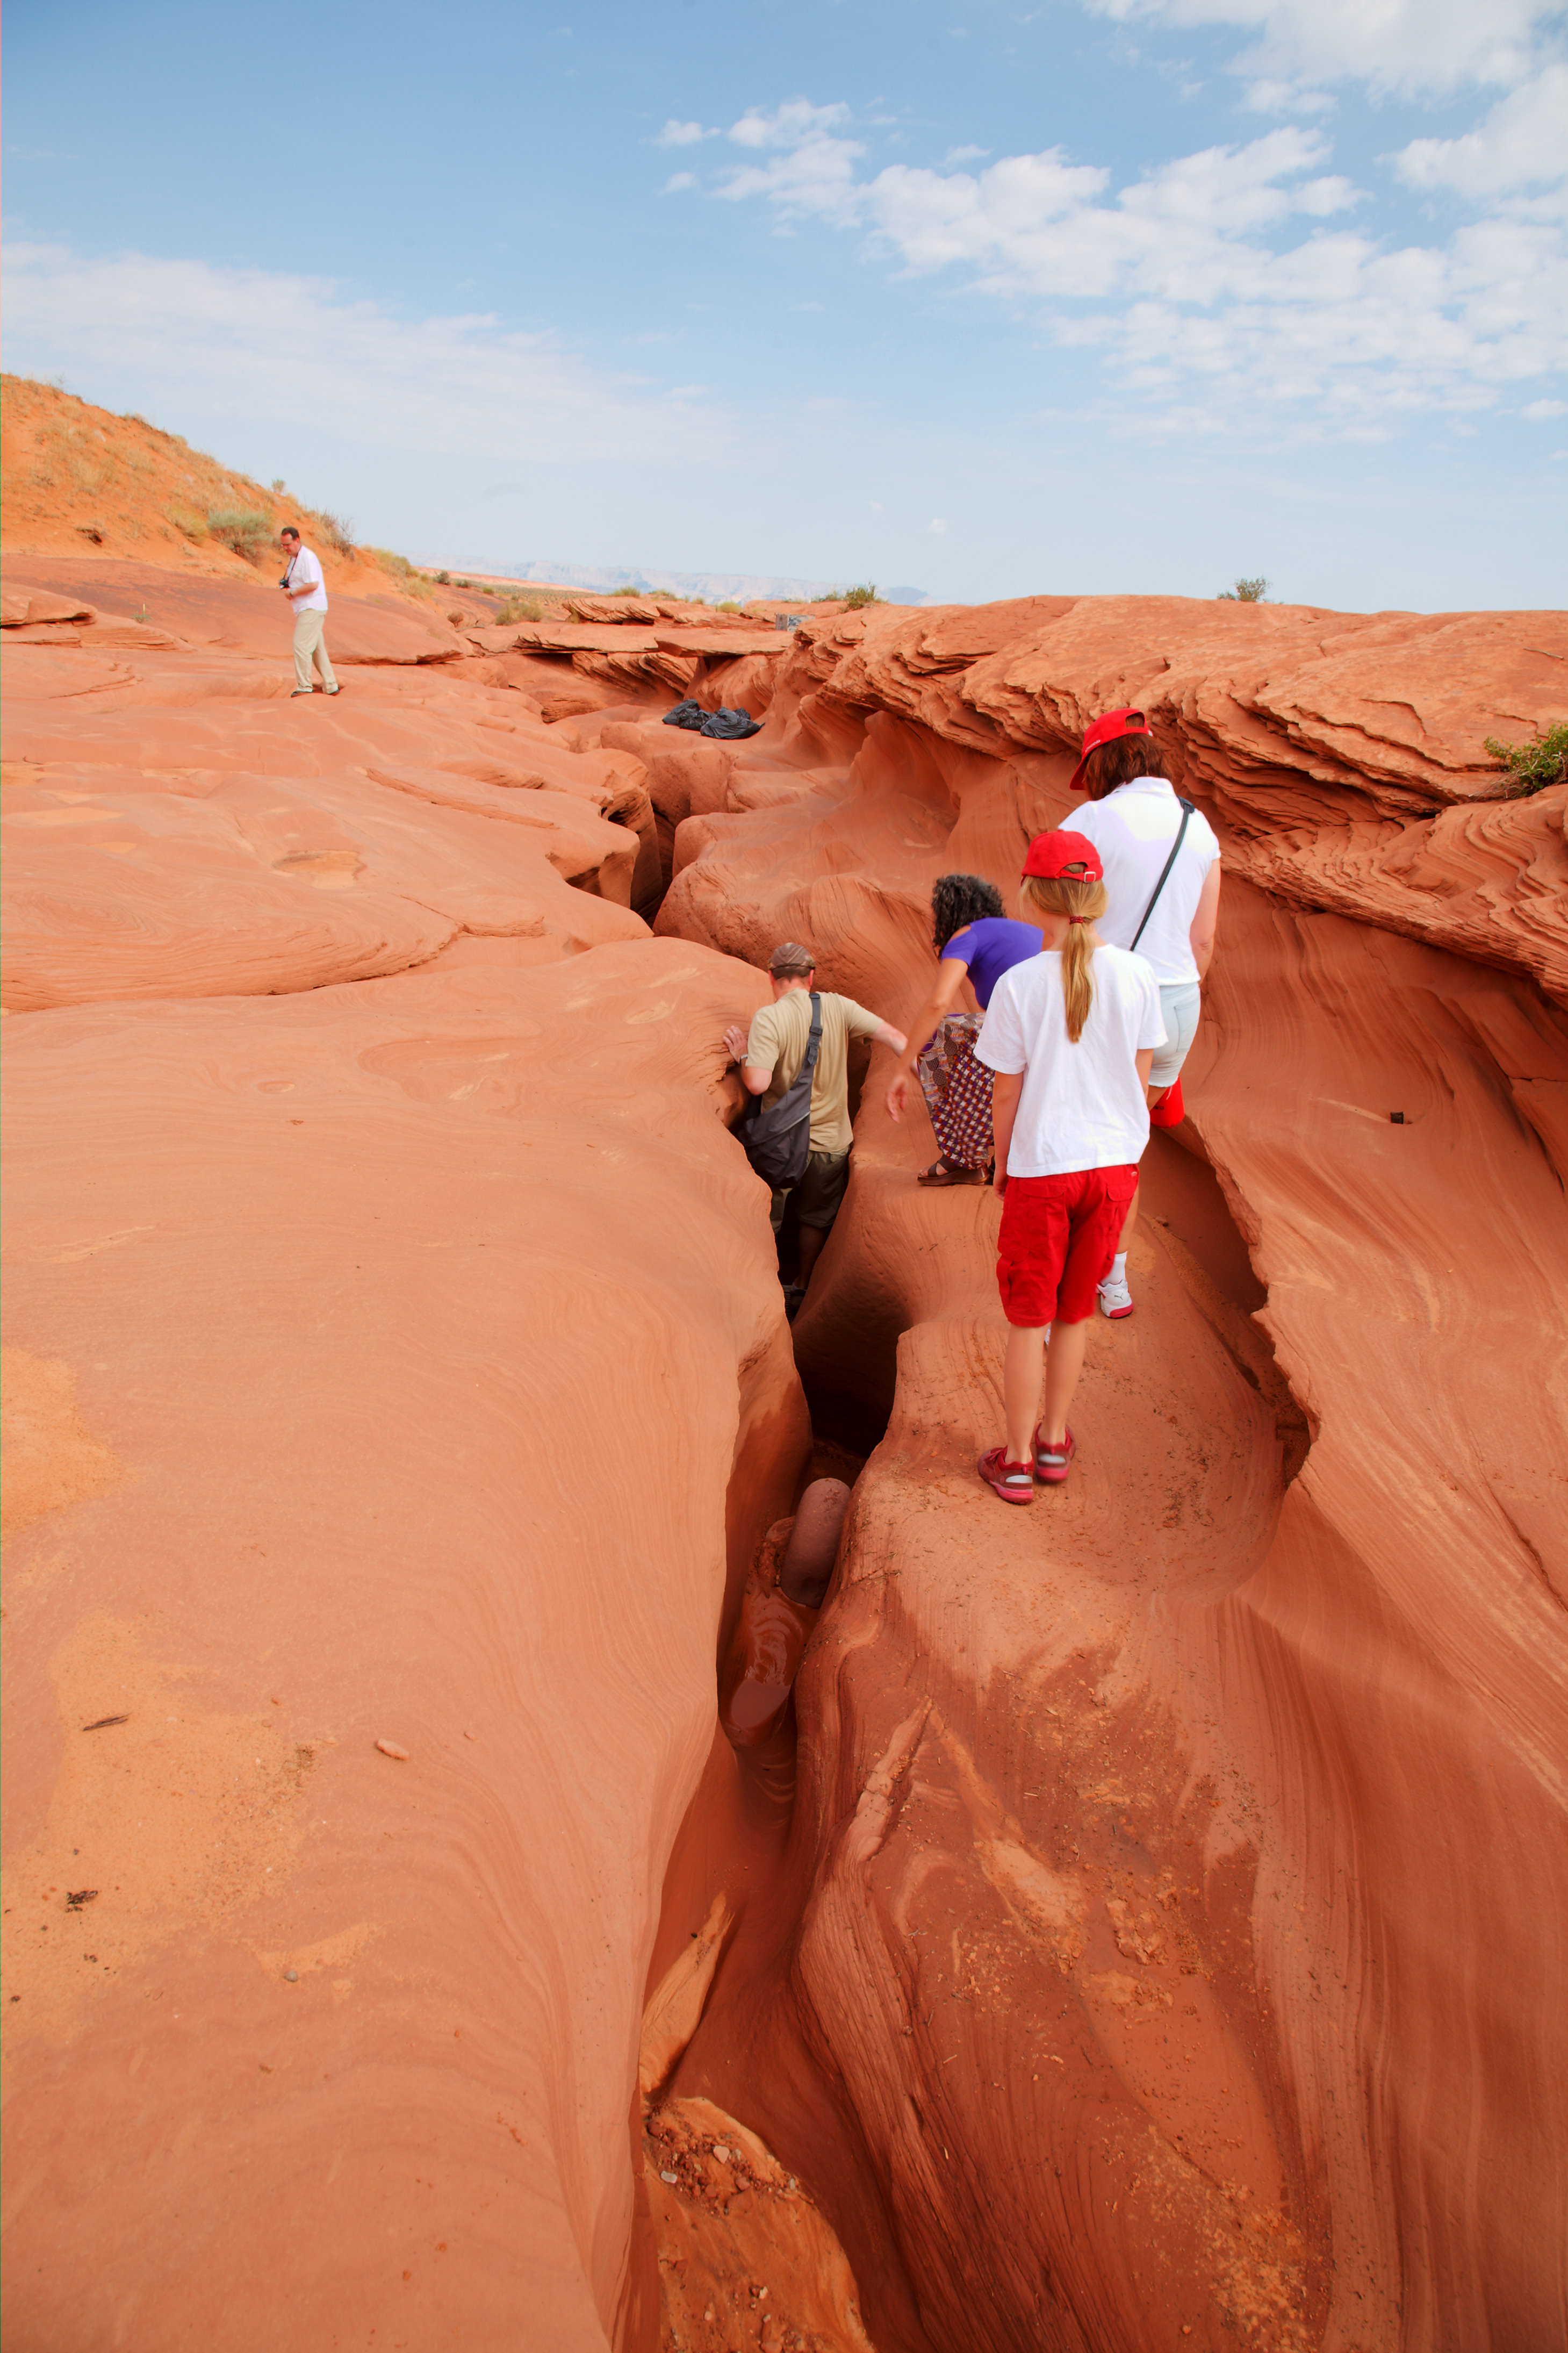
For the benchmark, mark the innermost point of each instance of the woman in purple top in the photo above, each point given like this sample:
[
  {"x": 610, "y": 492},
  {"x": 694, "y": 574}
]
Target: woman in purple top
[{"x": 977, "y": 944}]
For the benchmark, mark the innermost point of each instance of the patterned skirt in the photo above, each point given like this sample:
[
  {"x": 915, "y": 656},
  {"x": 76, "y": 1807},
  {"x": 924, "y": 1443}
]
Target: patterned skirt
[{"x": 957, "y": 1089}]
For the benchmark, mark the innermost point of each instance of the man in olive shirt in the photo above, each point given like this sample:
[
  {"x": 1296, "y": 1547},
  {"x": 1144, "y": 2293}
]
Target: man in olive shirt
[{"x": 771, "y": 1057}]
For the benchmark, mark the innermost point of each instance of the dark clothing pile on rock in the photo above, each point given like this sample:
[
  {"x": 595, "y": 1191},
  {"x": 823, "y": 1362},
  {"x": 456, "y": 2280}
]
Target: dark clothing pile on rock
[{"x": 728, "y": 725}]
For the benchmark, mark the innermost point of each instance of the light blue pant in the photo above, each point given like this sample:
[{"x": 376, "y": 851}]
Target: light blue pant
[{"x": 1179, "y": 1002}]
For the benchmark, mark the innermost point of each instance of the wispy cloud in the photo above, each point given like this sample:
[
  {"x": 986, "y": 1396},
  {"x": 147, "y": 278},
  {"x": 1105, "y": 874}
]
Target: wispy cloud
[
  {"x": 1225, "y": 285},
  {"x": 1391, "y": 44},
  {"x": 181, "y": 335},
  {"x": 1523, "y": 143}
]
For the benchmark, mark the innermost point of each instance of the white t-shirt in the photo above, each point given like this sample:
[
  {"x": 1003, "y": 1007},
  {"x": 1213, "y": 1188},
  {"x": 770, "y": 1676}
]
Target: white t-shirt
[
  {"x": 306, "y": 567},
  {"x": 1132, "y": 829},
  {"x": 1082, "y": 1106}
]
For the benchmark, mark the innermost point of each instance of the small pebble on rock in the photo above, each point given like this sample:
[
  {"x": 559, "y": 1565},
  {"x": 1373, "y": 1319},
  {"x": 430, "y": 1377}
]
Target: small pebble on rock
[
  {"x": 290, "y": 1976},
  {"x": 391, "y": 1748},
  {"x": 668, "y": 2177}
]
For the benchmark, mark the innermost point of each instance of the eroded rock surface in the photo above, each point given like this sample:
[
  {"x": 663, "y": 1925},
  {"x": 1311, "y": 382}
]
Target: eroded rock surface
[
  {"x": 1154, "y": 1939},
  {"x": 1176, "y": 1877}
]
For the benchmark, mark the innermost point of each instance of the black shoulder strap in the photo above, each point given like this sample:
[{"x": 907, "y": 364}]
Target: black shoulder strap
[
  {"x": 814, "y": 1040},
  {"x": 1188, "y": 811}
]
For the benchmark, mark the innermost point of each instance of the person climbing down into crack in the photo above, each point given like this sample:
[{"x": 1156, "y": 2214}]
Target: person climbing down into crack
[
  {"x": 976, "y": 944},
  {"x": 796, "y": 1061},
  {"x": 1162, "y": 879},
  {"x": 306, "y": 590},
  {"x": 1070, "y": 1036}
]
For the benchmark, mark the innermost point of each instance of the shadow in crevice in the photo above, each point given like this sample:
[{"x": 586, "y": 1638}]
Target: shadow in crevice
[{"x": 1183, "y": 1200}]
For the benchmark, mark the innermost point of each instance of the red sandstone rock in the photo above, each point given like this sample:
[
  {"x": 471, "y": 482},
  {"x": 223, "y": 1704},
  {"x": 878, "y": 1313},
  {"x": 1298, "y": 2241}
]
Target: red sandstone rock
[
  {"x": 317, "y": 1266},
  {"x": 1153, "y": 1850},
  {"x": 1168, "y": 1916}
]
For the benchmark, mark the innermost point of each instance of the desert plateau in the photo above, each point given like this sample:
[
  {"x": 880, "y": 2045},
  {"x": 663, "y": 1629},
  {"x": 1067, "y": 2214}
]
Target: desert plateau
[{"x": 1139, "y": 1924}]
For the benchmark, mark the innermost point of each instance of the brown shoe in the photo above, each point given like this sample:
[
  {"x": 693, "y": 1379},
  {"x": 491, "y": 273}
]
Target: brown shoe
[{"x": 943, "y": 1172}]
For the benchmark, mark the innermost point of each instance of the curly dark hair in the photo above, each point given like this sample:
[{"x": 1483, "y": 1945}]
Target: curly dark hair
[
  {"x": 960, "y": 898},
  {"x": 1120, "y": 761}
]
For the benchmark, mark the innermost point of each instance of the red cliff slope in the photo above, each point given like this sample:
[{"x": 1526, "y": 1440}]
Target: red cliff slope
[{"x": 1155, "y": 1940}]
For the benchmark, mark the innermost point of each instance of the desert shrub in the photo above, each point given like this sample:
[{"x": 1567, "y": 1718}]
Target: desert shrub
[
  {"x": 338, "y": 532},
  {"x": 518, "y": 608},
  {"x": 1245, "y": 592},
  {"x": 1533, "y": 766},
  {"x": 407, "y": 578},
  {"x": 729, "y": 606},
  {"x": 866, "y": 594},
  {"x": 444, "y": 579},
  {"x": 239, "y": 528},
  {"x": 277, "y": 482},
  {"x": 190, "y": 524}
]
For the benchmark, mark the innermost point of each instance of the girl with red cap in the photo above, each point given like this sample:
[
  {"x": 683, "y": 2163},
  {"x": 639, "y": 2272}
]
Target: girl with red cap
[
  {"x": 1161, "y": 860},
  {"x": 1069, "y": 1037}
]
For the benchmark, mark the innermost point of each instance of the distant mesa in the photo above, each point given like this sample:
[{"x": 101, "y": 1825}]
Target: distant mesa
[{"x": 715, "y": 587}]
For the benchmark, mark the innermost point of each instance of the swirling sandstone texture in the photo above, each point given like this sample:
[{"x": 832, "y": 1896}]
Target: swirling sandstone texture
[
  {"x": 1174, "y": 1950},
  {"x": 1156, "y": 1940},
  {"x": 396, "y": 1374}
]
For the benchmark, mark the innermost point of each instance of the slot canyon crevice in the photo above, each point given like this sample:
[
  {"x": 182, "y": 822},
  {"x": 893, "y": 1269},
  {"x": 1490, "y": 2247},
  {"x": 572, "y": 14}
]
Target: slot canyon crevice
[{"x": 1142, "y": 1928}]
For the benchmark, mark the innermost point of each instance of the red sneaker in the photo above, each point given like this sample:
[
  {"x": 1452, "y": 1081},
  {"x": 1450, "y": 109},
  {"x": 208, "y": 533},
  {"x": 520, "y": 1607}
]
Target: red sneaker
[
  {"x": 1014, "y": 1481},
  {"x": 1052, "y": 1464},
  {"x": 1172, "y": 1110}
]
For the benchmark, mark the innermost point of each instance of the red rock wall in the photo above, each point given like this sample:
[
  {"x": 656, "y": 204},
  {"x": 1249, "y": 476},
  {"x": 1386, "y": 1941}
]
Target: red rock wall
[
  {"x": 1181, "y": 1870},
  {"x": 1165, "y": 1946}
]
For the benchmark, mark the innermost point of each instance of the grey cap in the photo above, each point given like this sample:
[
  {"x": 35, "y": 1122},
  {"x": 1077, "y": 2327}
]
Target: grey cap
[{"x": 790, "y": 956}]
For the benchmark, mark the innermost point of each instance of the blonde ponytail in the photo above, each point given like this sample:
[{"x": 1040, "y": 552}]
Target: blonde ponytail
[{"x": 1083, "y": 903}]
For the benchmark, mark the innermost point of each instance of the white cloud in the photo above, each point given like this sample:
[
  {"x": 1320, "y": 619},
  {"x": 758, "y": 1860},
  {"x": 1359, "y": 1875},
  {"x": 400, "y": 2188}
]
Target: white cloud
[
  {"x": 1540, "y": 410},
  {"x": 1523, "y": 143},
  {"x": 682, "y": 134},
  {"x": 1409, "y": 45},
  {"x": 965, "y": 155},
  {"x": 1215, "y": 277},
  {"x": 790, "y": 125},
  {"x": 677, "y": 181},
  {"x": 936, "y": 528},
  {"x": 813, "y": 173},
  {"x": 182, "y": 336},
  {"x": 1267, "y": 97}
]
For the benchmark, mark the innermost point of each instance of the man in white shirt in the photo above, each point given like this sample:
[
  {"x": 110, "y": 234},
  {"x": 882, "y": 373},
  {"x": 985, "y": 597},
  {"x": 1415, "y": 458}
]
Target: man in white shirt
[
  {"x": 306, "y": 590},
  {"x": 1162, "y": 864}
]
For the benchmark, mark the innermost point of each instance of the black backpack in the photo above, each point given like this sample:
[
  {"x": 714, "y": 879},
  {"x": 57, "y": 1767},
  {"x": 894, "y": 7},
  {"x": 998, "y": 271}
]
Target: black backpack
[{"x": 778, "y": 1139}]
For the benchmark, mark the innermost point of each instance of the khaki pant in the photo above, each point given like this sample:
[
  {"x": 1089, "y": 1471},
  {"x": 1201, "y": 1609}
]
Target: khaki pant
[
  {"x": 309, "y": 640},
  {"x": 819, "y": 1195}
]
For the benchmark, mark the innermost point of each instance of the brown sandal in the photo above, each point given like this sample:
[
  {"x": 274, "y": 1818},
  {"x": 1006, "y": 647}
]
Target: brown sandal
[{"x": 943, "y": 1172}]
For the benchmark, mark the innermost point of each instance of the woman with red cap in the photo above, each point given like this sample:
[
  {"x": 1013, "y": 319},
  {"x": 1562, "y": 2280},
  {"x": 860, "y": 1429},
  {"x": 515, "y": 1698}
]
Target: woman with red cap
[
  {"x": 1069, "y": 1037},
  {"x": 1162, "y": 879}
]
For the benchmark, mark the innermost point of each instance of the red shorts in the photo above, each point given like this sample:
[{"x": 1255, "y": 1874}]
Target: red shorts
[{"x": 1059, "y": 1237}]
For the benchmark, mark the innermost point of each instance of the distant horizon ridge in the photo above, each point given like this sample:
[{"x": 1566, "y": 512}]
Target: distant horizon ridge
[{"x": 739, "y": 587}]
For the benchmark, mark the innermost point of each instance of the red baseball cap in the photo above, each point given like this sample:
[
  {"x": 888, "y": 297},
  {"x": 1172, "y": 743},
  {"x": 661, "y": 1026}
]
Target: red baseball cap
[
  {"x": 1053, "y": 857},
  {"x": 1105, "y": 730}
]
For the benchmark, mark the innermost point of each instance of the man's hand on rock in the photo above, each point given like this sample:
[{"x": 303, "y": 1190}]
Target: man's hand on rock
[
  {"x": 735, "y": 1042},
  {"x": 898, "y": 1096}
]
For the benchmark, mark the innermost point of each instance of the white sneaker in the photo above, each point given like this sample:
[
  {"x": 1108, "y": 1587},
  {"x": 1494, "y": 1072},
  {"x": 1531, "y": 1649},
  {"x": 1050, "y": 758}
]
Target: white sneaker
[{"x": 1115, "y": 1299}]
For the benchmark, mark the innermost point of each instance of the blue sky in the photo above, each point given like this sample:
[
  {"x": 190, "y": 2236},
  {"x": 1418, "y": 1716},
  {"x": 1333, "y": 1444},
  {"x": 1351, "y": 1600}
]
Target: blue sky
[{"x": 1097, "y": 295}]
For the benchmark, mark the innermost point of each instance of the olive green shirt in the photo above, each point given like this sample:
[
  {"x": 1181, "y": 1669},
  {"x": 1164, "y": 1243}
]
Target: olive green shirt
[{"x": 778, "y": 1039}]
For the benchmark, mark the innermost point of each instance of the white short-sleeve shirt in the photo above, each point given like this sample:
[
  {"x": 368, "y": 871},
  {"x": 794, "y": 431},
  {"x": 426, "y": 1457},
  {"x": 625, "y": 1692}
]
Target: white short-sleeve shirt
[
  {"x": 306, "y": 567},
  {"x": 1132, "y": 829},
  {"x": 1083, "y": 1105}
]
